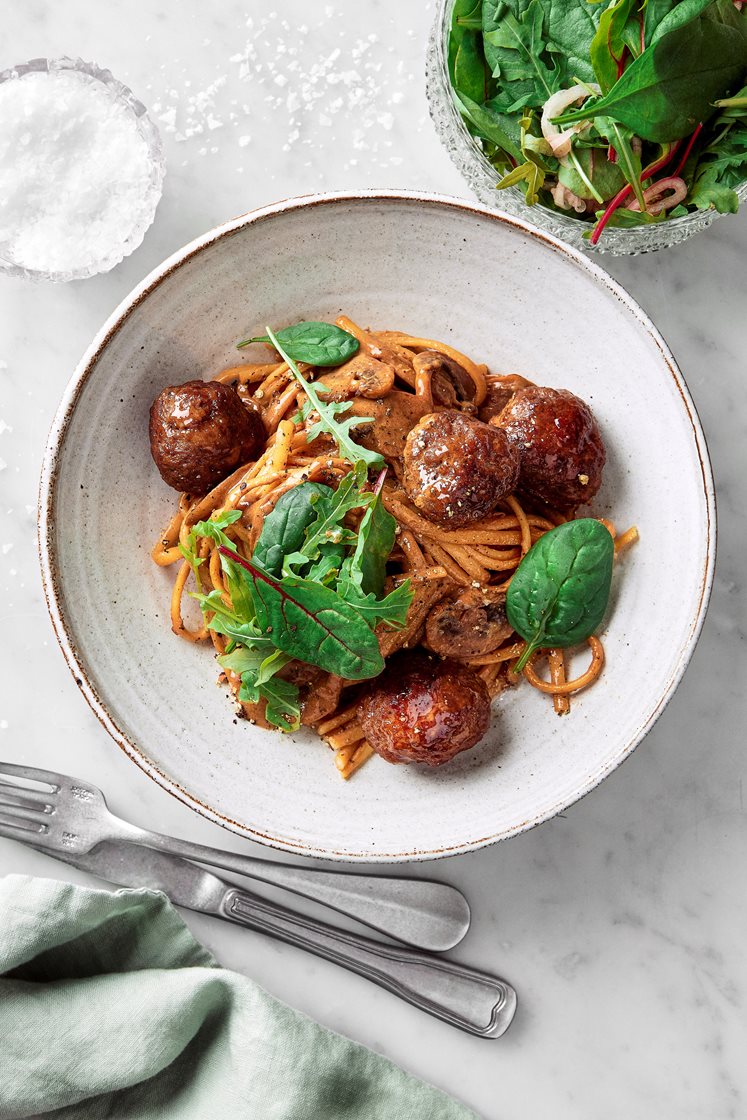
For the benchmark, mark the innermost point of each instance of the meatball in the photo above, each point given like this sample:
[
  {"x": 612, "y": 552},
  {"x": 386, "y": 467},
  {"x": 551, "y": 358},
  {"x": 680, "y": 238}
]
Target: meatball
[
  {"x": 200, "y": 432},
  {"x": 559, "y": 445},
  {"x": 423, "y": 709},
  {"x": 457, "y": 469},
  {"x": 470, "y": 624}
]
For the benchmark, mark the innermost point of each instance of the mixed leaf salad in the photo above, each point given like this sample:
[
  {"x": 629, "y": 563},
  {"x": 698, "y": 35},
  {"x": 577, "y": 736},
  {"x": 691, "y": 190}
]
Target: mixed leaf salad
[{"x": 622, "y": 114}]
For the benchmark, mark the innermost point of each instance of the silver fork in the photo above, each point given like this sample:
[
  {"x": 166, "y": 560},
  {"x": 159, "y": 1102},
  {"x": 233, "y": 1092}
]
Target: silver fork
[{"x": 72, "y": 816}]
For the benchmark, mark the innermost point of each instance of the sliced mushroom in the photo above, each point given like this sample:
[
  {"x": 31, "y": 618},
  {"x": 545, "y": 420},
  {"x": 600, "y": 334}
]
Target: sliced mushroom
[
  {"x": 393, "y": 419},
  {"x": 319, "y": 690},
  {"x": 470, "y": 624},
  {"x": 375, "y": 347},
  {"x": 425, "y": 595},
  {"x": 362, "y": 376},
  {"x": 443, "y": 380}
]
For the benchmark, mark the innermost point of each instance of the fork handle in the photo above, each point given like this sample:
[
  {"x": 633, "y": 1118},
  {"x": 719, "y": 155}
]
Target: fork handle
[
  {"x": 474, "y": 1001},
  {"x": 432, "y": 916}
]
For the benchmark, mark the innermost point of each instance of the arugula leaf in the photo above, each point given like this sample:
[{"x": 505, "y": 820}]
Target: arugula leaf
[
  {"x": 228, "y": 622},
  {"x": 669, "y": 88},
  {"x": 283, "y": 704},
  {"x": 718, "y": 165},
  {"x": 313, "y": 623},
  {"x": 258, "y": 681},
  {"x": 392, "y": 609},
  {"x": 514, "y": 47},
  {"x": 212, "y": 528},
  {"x": 340, "y": 431},
  {"x": 317, "y": 344},
  {"x": 528, "y": 172}
]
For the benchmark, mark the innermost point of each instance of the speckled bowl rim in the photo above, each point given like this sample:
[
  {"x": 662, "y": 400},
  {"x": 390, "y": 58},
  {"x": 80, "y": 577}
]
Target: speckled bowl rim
[{"x": 86, "y": 367}]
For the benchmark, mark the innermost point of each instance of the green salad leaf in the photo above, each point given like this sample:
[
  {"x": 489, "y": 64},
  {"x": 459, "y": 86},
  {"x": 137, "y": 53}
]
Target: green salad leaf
[
  {"x": 559, "y": 593},
  {"x": 317, "y": 344}
]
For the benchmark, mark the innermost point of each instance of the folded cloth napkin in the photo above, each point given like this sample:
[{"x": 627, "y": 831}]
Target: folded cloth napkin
[{"x": 110, "y": 1008}]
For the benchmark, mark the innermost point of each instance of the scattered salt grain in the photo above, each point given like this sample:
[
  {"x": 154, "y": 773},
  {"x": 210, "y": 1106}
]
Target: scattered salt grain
[{"x": 78, "y": 182}]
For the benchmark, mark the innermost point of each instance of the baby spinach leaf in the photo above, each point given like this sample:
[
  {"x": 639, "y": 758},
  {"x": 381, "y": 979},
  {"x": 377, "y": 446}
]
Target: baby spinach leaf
[
  {"x": 607, "y": 178},
  {"x": 628, "y": 159},
  {"x": 284, "y": 528},
  {"x": 340, "y": 430},
  {"x": 466, "y": 16},
  {"x": 559, "y": 593},
  {"x": 375, "y": 542},
  {"x": 679, "y": 15},
  {"x": 571, "y": 26},
  {"x": 471, "y": 74},
  {"x": 317, "y": 344},
  {"x": 313, "y": 623},
  {"x": 669, "y": 88}
]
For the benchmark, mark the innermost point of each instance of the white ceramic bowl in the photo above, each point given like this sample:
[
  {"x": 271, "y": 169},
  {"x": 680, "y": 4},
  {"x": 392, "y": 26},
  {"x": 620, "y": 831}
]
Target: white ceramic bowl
[{"x": 501, "y": 291}]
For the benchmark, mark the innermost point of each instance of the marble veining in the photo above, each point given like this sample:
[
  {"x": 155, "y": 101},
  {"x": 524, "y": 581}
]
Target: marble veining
[{"x": 622, "y": 922}]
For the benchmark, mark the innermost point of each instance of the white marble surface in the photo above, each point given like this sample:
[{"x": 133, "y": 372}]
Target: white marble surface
[{"x": 621, "y": 923}]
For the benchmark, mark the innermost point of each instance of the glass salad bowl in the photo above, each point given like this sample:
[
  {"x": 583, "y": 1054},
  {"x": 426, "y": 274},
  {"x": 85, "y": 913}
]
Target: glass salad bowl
[{"x": 468, "y": 157}]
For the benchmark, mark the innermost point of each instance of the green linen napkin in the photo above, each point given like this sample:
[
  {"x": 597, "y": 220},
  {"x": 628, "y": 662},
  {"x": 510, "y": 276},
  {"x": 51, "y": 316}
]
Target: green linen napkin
[{"x": 110, "y": 1008}]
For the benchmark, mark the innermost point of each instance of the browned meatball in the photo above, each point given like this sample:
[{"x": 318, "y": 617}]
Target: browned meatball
[
  {"x": 559, "y": 443},
  {"x": 200, "y": 432},
  {"x": 457, "y": 469},
  {"x": 423, "y": 709},
  {"x": 470, "y": 624}
]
